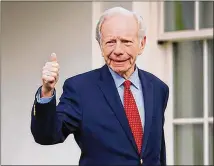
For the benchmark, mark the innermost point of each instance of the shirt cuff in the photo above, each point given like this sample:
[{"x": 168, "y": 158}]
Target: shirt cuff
[{"x": 43, "y": 100}]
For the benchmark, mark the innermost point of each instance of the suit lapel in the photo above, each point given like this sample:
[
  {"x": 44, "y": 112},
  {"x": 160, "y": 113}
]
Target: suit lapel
[
  {"x": 110, "y": 92},
  {"x": 147, "y": 88}
]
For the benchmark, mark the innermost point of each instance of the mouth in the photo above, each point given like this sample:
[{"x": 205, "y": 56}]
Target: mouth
[{"x": 119, "y": 62}]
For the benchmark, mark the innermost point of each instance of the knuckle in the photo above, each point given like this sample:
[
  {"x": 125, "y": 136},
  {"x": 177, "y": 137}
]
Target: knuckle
[
  {"x": 51, "y": 78},
  {"x": 55, "y": 74},
  {"x": 52, "y": 69},
  {"x": 48, "y": 78}
]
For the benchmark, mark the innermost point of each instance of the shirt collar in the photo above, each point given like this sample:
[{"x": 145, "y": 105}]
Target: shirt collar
[{"x": 134, "y": 78}]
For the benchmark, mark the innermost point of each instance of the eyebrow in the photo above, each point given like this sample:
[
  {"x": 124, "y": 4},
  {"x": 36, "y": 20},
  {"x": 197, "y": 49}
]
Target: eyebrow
[{"x": 121, "y": 38}]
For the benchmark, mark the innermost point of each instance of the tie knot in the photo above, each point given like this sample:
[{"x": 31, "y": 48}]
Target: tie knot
[{"x": 127, "y": 84}]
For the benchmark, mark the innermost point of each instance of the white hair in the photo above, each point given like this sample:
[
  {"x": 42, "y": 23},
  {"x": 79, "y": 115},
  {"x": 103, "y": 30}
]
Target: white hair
[{"x": 120, "y": 10}]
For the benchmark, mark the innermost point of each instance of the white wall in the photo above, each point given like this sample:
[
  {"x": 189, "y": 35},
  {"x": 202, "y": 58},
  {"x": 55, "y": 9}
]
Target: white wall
[
  {"x": 30, "y": 32},
  {"x": 154, "y": 58}
]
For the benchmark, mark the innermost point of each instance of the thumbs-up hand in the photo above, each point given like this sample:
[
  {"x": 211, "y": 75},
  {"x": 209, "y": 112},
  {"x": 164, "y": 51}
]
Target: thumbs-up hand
[{"x": 50, "y": 76}]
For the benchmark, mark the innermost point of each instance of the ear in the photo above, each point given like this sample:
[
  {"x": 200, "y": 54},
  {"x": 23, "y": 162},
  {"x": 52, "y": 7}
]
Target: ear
[{"x": 142, "y": 45}]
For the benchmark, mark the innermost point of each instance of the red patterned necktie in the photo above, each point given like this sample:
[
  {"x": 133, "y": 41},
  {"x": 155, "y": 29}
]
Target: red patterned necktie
[{"x": 133, "y": 115}]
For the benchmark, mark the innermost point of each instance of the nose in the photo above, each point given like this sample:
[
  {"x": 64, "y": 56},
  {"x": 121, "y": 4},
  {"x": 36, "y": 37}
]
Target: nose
[{"x": 118, "y": 49}]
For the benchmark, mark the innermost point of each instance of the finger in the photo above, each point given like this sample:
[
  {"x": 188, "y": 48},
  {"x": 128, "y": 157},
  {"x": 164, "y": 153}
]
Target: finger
[
  {"x": 53, "y": 69},
  {"x": 52, "y": 64},
  {"x": 55, "y": 65},
  {"x": 48, "y": 79},
  {"x": 50, "y": 69},
  {"x": 50, "y": 73},
  {"x": 53, "y": 74},
  {"x": 53, "y": 57}
]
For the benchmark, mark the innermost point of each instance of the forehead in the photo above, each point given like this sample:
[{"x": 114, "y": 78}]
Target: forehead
[{"x": 119, "y": 26}]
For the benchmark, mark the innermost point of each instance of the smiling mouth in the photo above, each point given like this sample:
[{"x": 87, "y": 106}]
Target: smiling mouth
[{"x": 119, "y": 61}]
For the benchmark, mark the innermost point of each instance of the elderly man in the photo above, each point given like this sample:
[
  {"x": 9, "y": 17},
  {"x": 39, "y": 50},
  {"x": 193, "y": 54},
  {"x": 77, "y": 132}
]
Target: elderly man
[{"x": 116, "y": 112}]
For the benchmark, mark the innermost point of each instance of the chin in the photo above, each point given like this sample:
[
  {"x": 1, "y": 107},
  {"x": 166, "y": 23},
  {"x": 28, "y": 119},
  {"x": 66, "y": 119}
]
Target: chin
[{"x": 119, "y": 69}]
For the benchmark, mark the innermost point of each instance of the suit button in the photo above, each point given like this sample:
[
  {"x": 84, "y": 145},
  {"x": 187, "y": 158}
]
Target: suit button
[
  {"x": 34, "y": 110},
  {"x": 141, "y": 161}
]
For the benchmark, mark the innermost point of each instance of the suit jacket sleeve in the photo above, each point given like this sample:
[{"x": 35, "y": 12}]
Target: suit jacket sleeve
[
  {"x": 51, "y": 124},
  {"x": 163, "y": 147}
]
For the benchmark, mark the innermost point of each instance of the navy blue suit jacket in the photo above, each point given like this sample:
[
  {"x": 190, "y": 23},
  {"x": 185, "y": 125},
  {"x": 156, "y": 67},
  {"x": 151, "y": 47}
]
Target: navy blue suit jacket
[{"x": 91, "y": 109}]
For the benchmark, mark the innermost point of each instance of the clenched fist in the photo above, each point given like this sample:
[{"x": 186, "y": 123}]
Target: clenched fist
[{"x": 50, "y": 76}]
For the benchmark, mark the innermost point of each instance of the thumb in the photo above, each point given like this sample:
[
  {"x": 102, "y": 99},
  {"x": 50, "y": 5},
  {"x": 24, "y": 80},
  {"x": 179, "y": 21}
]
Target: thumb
[{"x": 53, "y": 57}]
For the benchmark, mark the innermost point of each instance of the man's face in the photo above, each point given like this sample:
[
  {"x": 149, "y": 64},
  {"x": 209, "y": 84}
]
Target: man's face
[{"x": 120, "y": 44}]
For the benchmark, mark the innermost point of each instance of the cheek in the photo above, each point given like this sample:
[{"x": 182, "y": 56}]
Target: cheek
[
  {"x": 107, "y": 52},
  {"x": 132, "y": 52}
]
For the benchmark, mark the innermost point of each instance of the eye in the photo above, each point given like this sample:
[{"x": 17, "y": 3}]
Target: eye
[
  {"x": 127, "y": 42},
  {"x": 111, "y": 41}
]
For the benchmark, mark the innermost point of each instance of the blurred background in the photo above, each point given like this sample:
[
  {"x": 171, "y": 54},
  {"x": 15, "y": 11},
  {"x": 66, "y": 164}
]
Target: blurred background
[{"x": 179, "y": 51}]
